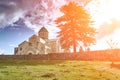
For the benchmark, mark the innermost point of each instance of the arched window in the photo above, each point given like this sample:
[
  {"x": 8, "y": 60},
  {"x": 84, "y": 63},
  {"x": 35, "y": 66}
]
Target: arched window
[
  {"x": 30, "y": 53},
  {"x": 20, "y": 48}
]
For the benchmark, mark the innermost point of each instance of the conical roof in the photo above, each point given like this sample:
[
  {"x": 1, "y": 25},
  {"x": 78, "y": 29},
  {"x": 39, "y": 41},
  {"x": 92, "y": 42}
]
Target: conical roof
[{"x": 43, "y": 29}]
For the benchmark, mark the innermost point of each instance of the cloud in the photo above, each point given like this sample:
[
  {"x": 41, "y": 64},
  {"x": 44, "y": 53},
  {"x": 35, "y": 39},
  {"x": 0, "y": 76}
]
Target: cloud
[
  {"x": 44, "y": 12},
  {"x": 34, "y": 12},
  {"x": 12, "y": 45},
  {"x": 7, "y": 11},
  {"x": 1, "y": 51},
  {"x": 107, "y": 29},
  {"x": 12, "y": 10}
]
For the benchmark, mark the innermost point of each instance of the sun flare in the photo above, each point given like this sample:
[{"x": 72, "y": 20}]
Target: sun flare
[
  {"x": 103, "y": 11},
  {"x": 113, "y": 9}
]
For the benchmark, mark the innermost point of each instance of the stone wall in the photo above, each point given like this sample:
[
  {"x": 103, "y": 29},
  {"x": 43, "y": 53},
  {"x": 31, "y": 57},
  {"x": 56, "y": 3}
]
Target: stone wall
[{"x": 104, "y": 55}]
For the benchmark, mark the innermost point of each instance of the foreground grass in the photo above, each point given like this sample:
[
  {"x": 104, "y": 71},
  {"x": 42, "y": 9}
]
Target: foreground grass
[{"x": 57, "y": 70}]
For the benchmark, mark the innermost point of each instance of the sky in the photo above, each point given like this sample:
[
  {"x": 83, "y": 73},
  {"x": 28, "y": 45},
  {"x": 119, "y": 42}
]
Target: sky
[{"x": 19, "y": 19}]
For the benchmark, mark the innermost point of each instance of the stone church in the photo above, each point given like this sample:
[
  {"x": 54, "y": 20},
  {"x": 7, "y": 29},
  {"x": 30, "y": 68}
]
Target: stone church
[{"x": 38, "y": 44}]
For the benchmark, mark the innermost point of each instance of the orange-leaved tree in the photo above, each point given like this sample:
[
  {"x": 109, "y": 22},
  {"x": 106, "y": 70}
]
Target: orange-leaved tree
[{"x": 75, "y": 26}]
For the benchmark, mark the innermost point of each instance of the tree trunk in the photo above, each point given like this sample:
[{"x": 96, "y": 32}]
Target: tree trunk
[
  {"x": 74, "y": 48},
  {"x": 74, "y": 42}
]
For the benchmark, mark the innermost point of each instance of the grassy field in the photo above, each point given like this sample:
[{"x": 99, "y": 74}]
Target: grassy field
[{"x": 57, "y": 70}]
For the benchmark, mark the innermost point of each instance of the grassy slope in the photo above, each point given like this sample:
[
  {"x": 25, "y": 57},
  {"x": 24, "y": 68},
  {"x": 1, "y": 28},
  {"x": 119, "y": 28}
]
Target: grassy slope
[{"x": 57, "y": 70}]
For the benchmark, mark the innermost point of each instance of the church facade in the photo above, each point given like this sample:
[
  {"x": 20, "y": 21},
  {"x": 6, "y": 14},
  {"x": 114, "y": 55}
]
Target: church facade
[{"x": 38, "y": 44}]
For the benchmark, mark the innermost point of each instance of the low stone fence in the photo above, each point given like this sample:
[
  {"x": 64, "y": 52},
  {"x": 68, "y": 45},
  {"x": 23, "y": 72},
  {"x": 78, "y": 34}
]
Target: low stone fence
[{"x": 104, "y": 55}]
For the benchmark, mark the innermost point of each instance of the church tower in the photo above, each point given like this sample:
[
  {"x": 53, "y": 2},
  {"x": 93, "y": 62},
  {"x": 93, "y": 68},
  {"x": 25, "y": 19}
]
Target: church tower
[{"x": 43, "y": 33}]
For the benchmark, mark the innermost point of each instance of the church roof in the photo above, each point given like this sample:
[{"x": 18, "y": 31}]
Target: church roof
[
  {"x": 33, "y": 36},
  {"x": 43, "y": 29},
  {"x": 22, "y": 43}
]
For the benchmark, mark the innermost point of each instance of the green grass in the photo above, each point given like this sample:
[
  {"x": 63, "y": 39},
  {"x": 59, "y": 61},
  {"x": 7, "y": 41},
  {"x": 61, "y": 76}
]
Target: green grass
[{"x": 57, "y": 70}]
